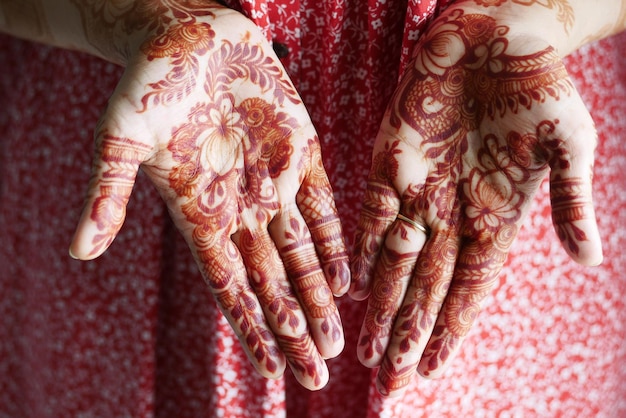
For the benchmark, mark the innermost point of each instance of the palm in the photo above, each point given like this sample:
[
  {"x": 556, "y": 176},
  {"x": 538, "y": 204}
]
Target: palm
[
  {"x": 485, "y": 115},
  {"x": 209, "y": 114}
]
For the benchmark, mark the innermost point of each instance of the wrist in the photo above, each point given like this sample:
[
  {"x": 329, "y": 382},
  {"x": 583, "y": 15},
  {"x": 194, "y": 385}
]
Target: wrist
[{"x": 565, "y": 25}]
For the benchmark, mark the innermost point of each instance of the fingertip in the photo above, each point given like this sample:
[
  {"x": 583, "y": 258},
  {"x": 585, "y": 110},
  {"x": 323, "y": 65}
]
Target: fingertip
[
  {"x": 339, "y": 274},
  {"x": 319, "y": 381},
  {"x": 85, "y": 252},
  {"x": 431, "y": 374},
  {"x": 581, "y": 240},
  {"x": 313, "y": 376},
  {"x": 367, "y": 361},
  {"x": 94, "y": 235},
  {"x": 360, "y": 285},
  {"x": 366, "y": 354},
  {"x": 589, "y": 254},
  {"x": 334, "y": 350},
  {"x": 358, "y": 293},
  {"x": 71, "y": 253},
  {"x": 81, "y": 247},
  {"x": 329, "y": 342},
  {"x": 273, "y": 368}
]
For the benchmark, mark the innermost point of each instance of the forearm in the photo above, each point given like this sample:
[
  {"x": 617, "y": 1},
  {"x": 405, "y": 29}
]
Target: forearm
[
  {"x": 113, "y": 30},
  {"x": 54, "y": 22},
  {"x": 566, "y": 24}
]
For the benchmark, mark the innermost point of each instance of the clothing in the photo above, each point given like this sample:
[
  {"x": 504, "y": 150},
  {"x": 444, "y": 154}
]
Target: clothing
[{"x": 136, "y": 332}]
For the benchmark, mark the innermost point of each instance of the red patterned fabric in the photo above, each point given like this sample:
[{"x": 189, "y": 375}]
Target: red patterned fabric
[{"x": 136, "y": 333}]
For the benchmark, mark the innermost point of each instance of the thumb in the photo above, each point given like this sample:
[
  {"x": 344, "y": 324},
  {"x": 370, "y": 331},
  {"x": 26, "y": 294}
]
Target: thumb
[
  {"x": 573, "y": 215},
  {"x": 115, "y": 167}
]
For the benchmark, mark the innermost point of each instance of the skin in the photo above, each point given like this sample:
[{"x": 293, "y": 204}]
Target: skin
[
  {"x": 206, "y": 110},
  {"x": 484, "y": 112}
]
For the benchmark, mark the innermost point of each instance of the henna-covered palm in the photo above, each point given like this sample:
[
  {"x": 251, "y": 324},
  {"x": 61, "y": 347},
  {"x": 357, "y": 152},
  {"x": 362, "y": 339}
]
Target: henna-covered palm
[
  {"x": 479, "y": 119},
  {"x": 206, "y": 110}
]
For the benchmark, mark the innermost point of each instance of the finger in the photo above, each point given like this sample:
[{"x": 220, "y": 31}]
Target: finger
[
  {"x": 480, "y": 260},
  {"x": 225, "y": 273},
  {"x": 393, "y": 271},
  {"x": 115, "y": 167},
  {"x": 571, "y": 175},
  {"x": 315, "y": 202},
  {"x": 416, "y": 319},
  {"x": 380, "y": 207},
  {"x": 296, "y": 249},
  {"x": 280, "y": 305}
]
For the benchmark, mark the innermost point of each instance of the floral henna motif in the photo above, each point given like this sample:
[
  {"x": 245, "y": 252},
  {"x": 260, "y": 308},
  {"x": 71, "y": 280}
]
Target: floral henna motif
[
  {"x": 182, "y": 43},
  {"x": 226, "y": 158},
  {"x": 474, "y": 107}
]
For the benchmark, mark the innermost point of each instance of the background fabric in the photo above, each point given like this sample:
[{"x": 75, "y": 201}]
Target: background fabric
[{"x": 136, "y": 333}]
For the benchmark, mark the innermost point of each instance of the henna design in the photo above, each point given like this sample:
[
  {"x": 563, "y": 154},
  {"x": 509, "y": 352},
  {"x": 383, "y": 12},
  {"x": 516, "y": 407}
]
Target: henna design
[
  {"x": 303, "y": 357},
  {"x": 182, "y": 44},
  {"x": 387, "y": 294},
  {"x": 474, "y": 108},
  {"x": 239, "y": 304},
  {"x": 568, "y": 207},
  {"x": 301, "y": 263},
  {"x": 248, "y": 62},
  {"x": 425, "y": 296},
  {"x": 377, "y": 212},
  {"x": 446, "y": 96},
  {"x": 262, "y": 263},
  {"x": 121, "y": 156},
  {"x": 391, "y": 377},
  {"x": 225, "y": 157},
  {"x": 315, "y": 197}
]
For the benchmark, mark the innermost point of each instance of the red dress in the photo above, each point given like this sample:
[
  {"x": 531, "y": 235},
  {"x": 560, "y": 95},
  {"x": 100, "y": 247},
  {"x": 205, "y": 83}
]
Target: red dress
[{"x": 136, "y": 332}]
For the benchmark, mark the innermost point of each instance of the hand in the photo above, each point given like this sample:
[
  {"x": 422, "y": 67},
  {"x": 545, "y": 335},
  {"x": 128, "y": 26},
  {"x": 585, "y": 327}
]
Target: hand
[
  {"x": 207, "y": 111},
  {"x": 480, "y": 117}
]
